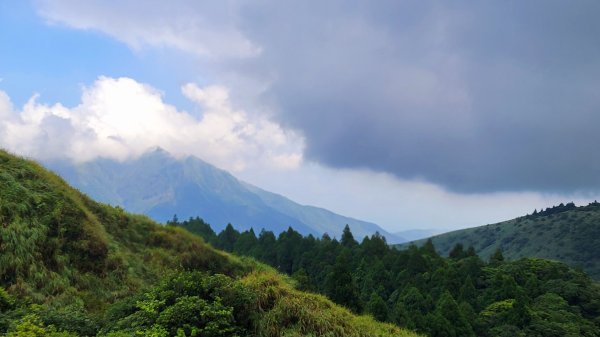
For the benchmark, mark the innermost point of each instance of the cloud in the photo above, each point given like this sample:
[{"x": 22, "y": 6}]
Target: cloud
[
  {"x": 213, "y": 35},
  {"x": 399, "y": 204},
  {"x": 474, "y": 97},
  {"x": 121, "y": 118}
]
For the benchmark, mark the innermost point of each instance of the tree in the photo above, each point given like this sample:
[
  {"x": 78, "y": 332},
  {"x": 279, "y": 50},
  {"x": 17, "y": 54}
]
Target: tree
[
  {"x": 302, "y": 280},
  {"x": 267, "y": 247},
  {"x": 339, "y": 285},
  {"x": 457, "y": 252},
  {"x": 497, "y": 258},
  {"x": 227, "y": 238},
  {"x": 198, "y": 226},
  {"x": 288, "y": 245},
  {"x": 245, "y": 243},
  {"x": 347, "y": 238},
  {"x": 467, "y": 292},
  {"x": 429, "y": 249},
  {"x": 173, "y": 221},
  {"x": 377, "y": 307},
  {"x": 449, "y": 309},
  {"x": 410, "y": 309}
]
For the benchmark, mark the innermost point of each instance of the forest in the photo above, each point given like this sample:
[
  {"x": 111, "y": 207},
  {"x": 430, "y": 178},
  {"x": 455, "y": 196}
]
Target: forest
[{"x": 458, "y": 295}]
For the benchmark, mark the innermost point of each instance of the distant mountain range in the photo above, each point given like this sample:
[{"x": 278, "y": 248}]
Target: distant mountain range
[
  {"x": 416, "y": 234},
  {"x": 161, "y": 186},
  {"x": 564, "y": 233}
]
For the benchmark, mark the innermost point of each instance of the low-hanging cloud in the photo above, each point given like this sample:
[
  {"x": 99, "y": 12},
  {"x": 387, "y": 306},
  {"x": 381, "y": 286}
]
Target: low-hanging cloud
[
  {"x": 475, "y": 97},
  {"x": 121, "y": 118}
]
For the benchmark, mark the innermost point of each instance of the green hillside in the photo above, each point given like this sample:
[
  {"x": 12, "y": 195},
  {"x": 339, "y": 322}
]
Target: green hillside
[
  {"x": 563, "y": 233},
  {"x": 70, "y": 266}
]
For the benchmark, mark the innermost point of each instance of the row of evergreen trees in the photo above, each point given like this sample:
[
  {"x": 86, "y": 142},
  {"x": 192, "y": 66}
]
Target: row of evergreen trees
[
  {"x": 417, "y": 288},
  {"x": 555, "y": 210}
]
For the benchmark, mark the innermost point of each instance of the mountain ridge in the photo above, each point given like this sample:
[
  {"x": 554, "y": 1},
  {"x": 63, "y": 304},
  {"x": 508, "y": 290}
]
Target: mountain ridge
[
  {"x": 563, "y": 233},
  {"x": 161, "y": 186}
]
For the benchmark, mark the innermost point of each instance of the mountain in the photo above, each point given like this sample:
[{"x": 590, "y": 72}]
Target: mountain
[
  {"x": 563, "y": 233},
  {"x": 416, "y": 234},
  {"x": 70, "y": 266},
  {"x": 160, "y": 186}
]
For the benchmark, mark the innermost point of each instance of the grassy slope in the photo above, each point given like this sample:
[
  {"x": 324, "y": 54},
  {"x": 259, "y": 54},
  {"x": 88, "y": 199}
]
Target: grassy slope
[
  {"x": 572, "y": 237},
  {"x": 58, "y": 247}
]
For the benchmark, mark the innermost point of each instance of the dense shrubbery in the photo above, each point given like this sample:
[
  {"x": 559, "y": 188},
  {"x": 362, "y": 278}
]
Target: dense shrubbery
[{"x": 457, "y": 296}]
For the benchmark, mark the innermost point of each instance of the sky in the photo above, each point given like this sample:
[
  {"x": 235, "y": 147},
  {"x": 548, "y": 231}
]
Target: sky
[{"x": 410, "y": 114}]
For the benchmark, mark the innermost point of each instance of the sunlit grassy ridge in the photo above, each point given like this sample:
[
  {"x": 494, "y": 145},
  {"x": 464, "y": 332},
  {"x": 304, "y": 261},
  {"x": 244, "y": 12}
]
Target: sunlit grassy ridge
[{"x": 76, "y": 259}]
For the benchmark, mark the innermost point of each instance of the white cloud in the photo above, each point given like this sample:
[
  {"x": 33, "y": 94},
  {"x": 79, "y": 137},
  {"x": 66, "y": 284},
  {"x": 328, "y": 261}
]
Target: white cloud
[
  {"x": 121, "y": 118},
  {"x": 201, "y": 28}
]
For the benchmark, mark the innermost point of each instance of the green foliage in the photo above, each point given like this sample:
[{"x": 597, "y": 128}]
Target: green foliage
[
  {"x": 418, "y": 289},
  {"x": 6, "y": 301},
  {"x": 73, "y": 318},
  {"x": 261, "y": 304},
  {"x": 377, "y": 307},
  {"x": 32, "y": 326},
  {"x": 339, "y": 285},
  {"x": 448, "y": 309},
  {"x": 72, "y": 267},
  {"x": 302, "y": 280}
]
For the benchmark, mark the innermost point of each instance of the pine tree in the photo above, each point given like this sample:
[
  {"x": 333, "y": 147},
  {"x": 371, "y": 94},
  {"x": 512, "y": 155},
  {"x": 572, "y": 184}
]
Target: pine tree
[
  {"x": 227, "y": 238},
  {"x": 267, "y": 247},
  {"x": 246, "y": 243},
  {"x": 449, "y": 309},
  {"x": 339, "y": 285},
  {"x": 377, "y": 307},
  {"x": 497, "y": 258},
  {"x": 457, "y": 252},
  {"x": 347, "y": 238}
]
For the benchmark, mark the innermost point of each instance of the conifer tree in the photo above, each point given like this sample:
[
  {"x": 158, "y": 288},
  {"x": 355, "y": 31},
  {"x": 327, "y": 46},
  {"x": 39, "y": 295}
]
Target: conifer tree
[
  {"x": 339, "y": 285},
  {"x": 377, "y": 307}
]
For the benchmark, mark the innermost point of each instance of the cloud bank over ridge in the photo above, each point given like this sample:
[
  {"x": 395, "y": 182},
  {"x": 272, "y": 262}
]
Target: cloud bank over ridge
[
  {"x": 474, "y": 97},
  {"x": 120, "y": 118}
]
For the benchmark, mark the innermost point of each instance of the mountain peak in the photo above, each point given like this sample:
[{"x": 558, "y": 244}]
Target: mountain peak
[
  {"x": 160, "y": 185},
  {"x": 157, "y": 151}
]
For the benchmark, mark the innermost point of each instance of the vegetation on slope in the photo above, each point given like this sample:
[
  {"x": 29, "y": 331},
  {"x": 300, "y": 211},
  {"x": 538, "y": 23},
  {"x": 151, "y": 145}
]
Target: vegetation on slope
[
  {"x": 72, "y": 267},
  {"x": 457, "y": 296},
  {"x": 563, "y": 233}
]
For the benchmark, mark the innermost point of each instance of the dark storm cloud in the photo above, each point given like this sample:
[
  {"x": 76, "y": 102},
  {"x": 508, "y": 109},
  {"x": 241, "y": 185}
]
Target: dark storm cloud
[
  {"x": 474, "y": 96},
  {"x": 477, "y": 96}
]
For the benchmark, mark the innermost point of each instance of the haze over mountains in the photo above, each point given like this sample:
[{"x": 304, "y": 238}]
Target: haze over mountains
[{"x": 161, "y": 186}]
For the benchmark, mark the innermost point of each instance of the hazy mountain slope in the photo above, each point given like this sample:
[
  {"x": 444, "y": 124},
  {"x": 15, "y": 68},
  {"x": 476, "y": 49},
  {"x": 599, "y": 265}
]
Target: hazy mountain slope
[
  {"x": 76, "y": 259},
  {"x": 568, "y": 234},
  {"x": 160, "y": 186},
  {"x": 320, "y": 219},
  {"x": 416, "y": 234}
]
